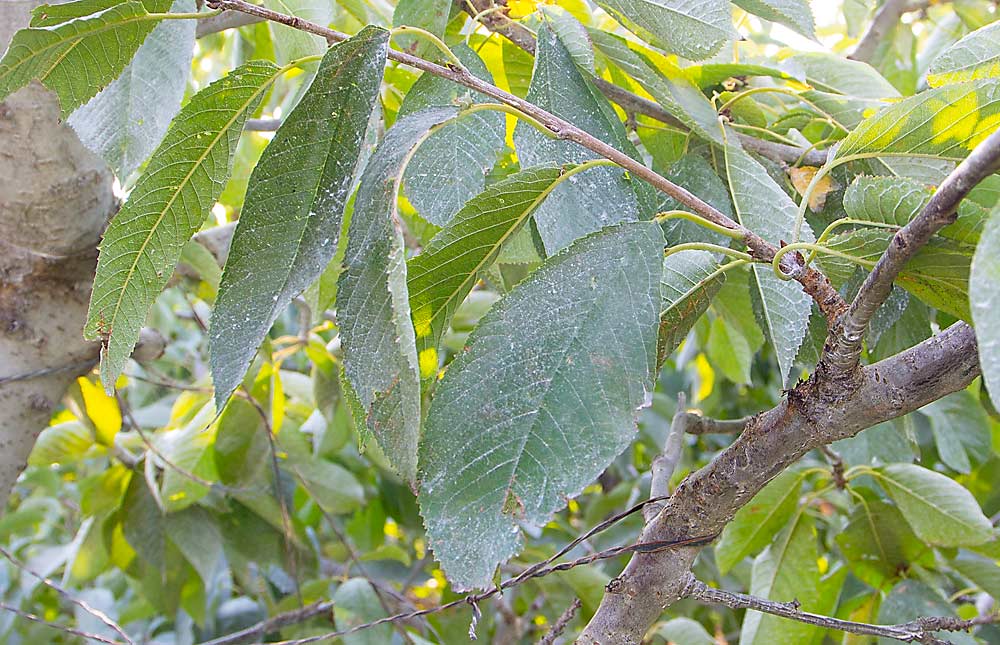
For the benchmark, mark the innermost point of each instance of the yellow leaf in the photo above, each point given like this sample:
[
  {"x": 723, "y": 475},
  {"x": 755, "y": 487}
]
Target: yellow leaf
[
  {"x": 522, "y": 8},
  {"x": 802, "y": 176},
  {"x": 102, "y": 410},
  {"x": 706, "y": 378}
]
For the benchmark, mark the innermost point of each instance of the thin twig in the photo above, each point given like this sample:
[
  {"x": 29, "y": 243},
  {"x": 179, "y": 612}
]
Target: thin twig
[
  {"x": 844, "y": 351},
  {"x": 695, "y": 423},
  {"x": 919, "y": 630},
  {"x": 560, "y": 625},
  {"x": 223, "y": 21},
  {"x": 96, "y": 613},
  {"x": 274, "y": 623},
  {"x": 813, "y": 282},
  {"x": 57, "y": 626},
  {"x": 666, "y": 462}
]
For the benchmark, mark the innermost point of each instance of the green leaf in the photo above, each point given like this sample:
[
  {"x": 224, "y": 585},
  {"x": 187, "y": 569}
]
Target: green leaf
[
  {"x": 694, "y": 30},
  {"x": 755, "y": 525},
  {"x": 938, "y": 274},
  {"x": 667, "y": 83},
  {"x": 62, "y": 443},
  {"x": 973, "y": 57},
  {"x": 699, "y": 178},
  {"x": 940, "y": 510},
  {"x": 945, "y": 122},
  {"x": 880, "y": 444},
  {"x": 687, "y": 286},
  {"x": 846, "y": 89},
  {"x": 961, "y": 430},
  {"x": 983, "y": 571},
  {"x": 450, "y": 167},
  {"x": 291, "y": 43},
  {"x": 794, "y": 14},
  {"x": 712, "y": 74},
  {"x": 196, "y": 534},
  {"x": 443, "y": 274},
  {"x": 571, "y": 34},
  {"x": 684, "y": 631},
  {"x": 289, "y": 228},
  {"x": 984, "y": 299},
  {"x": 241, "y": 447},
  {"x": 786, "y": 571},
  {"x": 431, "y": 15},
  {"x": 730, "y": 352},
  {"x": 878, "y": 543},
  {"x": 520, "y": 421},
  {"x": 763, "y": 207},
  {"x": 591, "y": 200},
  {"x": 355, "y": 603},
  {"x": 897, "y": 200},
  {"x": 76, "y": 50},
  {"x": 167, "y": 206},
  {"x": 334, "y": 488},
  {"x": 912, "y": 599},
  {"x": 189, "y": 448},
  {"x": 373, "y": 310},
  {"x": 127, "y": 119}
]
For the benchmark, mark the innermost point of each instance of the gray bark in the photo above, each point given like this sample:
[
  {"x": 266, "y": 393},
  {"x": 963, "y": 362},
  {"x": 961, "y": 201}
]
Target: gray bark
[{"x": 55, "y": 198}]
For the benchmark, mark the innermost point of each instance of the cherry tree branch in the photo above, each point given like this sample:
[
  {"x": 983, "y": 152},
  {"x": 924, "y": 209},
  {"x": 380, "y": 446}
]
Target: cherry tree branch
[
  {"x": 810, "y": 416},
  {"x": 920, "y": 630},
  {"x": 223, "y": 21},
  {"x": 844, "y": 350}
]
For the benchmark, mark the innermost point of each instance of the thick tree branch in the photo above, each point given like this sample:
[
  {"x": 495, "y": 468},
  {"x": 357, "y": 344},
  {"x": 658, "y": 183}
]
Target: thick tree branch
[
  {"x": 844, "y": 349},
  {"x": 920, "y": 630},
  {"x": 223, "y": 21},
  {"x": 810, "y": 417},
  {"x": 813, "y": 282}
]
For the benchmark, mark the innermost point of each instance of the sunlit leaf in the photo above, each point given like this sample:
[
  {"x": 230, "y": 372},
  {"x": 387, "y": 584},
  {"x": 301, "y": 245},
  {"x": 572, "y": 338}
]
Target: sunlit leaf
[
  {"x": 795, "y": 14},
  {"x": 75, "y": 50},
  {"x": 167, "y": 206},
  {"x": 443, "y": 274},
  {"x": 688, "y": 284},
  {"x": 975, "y": 56},
  {"x": 694, "y": 30},
  {"x": 984, "y": 298}
]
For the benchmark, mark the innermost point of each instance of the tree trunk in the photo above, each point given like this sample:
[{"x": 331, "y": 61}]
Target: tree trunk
[{"x": 55, "y": 199}]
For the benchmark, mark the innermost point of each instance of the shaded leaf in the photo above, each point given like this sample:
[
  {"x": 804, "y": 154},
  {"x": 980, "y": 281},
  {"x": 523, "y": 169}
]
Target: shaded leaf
[
  {"x": 289, "y": 228},
  {"x": 878, "y": 543},
  {"x": 961, "y": 430},
  {"x": 940, "y": 510},
  {"x": 444, "y": 273},
  {"x": 600, "y": 196},
  {"x": 450, "y": 167},
  {"x": 127, "y": 119},
  {"x": 984, "y": 298},
  {"x": 912, "y": 599},
  {"x": 431, "y": 15},
  {"x": 755, "y": 525},
  {"x": 522, "y": 421},
  {"x": 373, "y": 310},
  {"x": 291, "y": 43},
  {"x": 355, "y": 603},
  {"x": 687, "y": 286},
  {"x": 167, "y": 206}
]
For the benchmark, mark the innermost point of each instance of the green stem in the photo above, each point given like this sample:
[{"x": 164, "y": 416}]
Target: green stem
[
  {"x": 431, "y": 38},
  {"x": 700, "y": 221},
  {"x": 763, "y": 131},
  {"x": 513, "y": 111},
  {"x": 781, "y": 90},
  {"x": 196, "y": 15},
  {"x": 800, "y": 214},
  {"x": 705, "y": 246}
]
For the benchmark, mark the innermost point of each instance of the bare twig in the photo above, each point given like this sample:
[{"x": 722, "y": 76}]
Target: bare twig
[
  {"x": 919, "y": 630},
  {"x": 273, "y": 624},
  {"x": 813, "y": 282},
  {"x": 844, "y": 348},
  {"x": 665, "y": 463},
  {"x": 885, "y": 19},
  {"x": 96, "y": 613},
  {"x": 57, "y": 626},
  {"x": 560, "y": 625}
]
